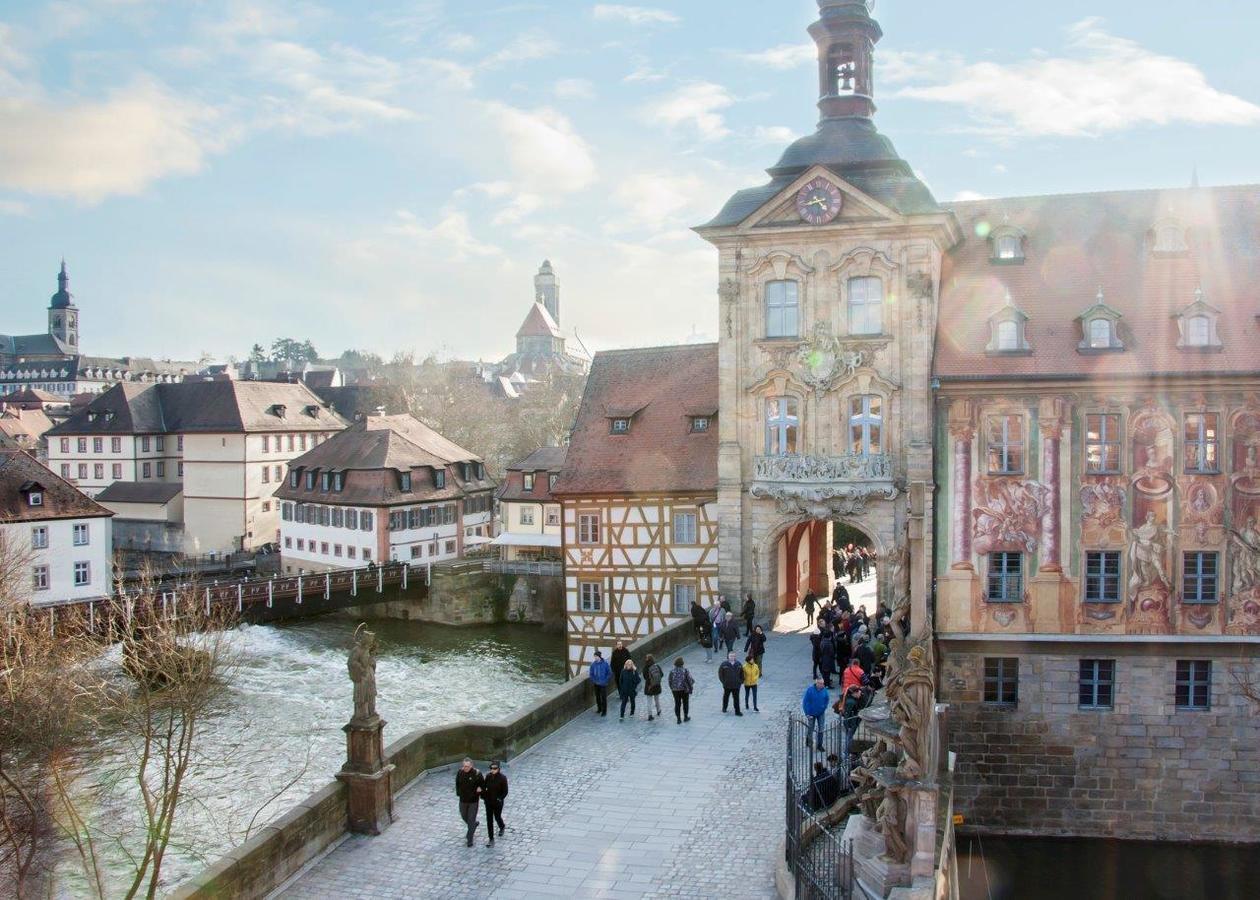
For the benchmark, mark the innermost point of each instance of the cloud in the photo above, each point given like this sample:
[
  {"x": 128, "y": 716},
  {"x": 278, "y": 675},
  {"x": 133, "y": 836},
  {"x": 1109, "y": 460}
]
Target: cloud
[
  {"x": 773, "y": 134},
  {"x": 651, "y": 199},
  {"x": 574, "y": 89},
  {"x": 1101, "y": 84},
  {"x": 783, "y": 56},
  {"x": 544, "y": 151},
  {"x": 13, "y": 208},
  {"x": 525, "y": 47},
  {"x": 696, "y": 105},
  {"x": 633, "y": 15},
  {"x": 965, "y": 196},
  {"x": 450, "y": 234},
  {"x": 89, "y": 150}
]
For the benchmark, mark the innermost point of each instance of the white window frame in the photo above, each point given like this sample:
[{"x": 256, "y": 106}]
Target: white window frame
[
  {"x": 684, "y": 592},
  {"x": 783, "y": 308},
  {"x": 866, "y": 307},
  {"x": 39, "y": 578},
  {"x": 685, "y": 527},
  {"x": 39, "y": 537},
  {"x": 527, "y": 515},
  {"x": 862, "y": 421},
  {"x": 82, "y": 535},
  {"x": 588, "y": 528},
  {"x": 590, "y": 596},
  {"x": 82, "y": 573},
  {"x": 783, "y": 420}
]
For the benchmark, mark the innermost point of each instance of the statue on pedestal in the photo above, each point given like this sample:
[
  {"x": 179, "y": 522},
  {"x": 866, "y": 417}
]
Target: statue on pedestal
[
  {"x": 910, "y": 690},
  {"x": 890, "y": 821},
  {"x": 362, "y": 666}
]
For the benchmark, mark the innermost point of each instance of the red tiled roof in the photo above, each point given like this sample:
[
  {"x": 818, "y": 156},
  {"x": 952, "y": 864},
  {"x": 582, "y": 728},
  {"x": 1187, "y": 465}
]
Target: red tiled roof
[
  {"x": 20, "y": 473},
  {"x": 1076, "y": 244},
  {"x": 538, "y": 323},
  {"x": 660, "y": 453},
  {"x": 542, "y": 463}
]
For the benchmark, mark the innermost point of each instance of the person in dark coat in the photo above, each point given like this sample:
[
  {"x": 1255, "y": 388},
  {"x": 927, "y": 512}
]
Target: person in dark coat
[
  {"x": 600, "y": 674},
  {"x": 843, "y": 649},
  {"x": 704, "y": 631},
  {"x": 810, "y": 602},
  {"x": 681, "y": 684},
  {"x": 827, "y": 656},
  {"x": 730, "y": 632},
  {"x": 494, "y": 791},
  {"x": 865, "y": 655},
  {"x": 815, "y": 640},
  {"x": 837, "y": 564},
  {"x": 755, "y": 646},
  {"x": 726, "y": 604},
  {"x": 652, "y": 678},
  {"x": 468, "y": 782},
  {"x": 749, "y": 612},
  {"x": 840, "y": 598},
  {"x": 731, "y": 674},
  {"x": 620, "y": 656},
  {"x": 628, "y": 687}
]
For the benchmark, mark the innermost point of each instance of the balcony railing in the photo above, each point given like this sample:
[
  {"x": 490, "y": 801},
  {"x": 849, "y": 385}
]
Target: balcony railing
[{"x": 823, "y": 469}]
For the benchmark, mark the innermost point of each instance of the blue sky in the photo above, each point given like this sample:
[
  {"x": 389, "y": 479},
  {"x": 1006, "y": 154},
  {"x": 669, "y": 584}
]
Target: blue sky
[{"x": 389, "y": 175}]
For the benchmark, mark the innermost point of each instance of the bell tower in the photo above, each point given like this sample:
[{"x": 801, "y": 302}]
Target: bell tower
[
  {"x": 63, "y": 315},
  {"x": 846, "y": 36},
  {"x": 547, "y": 291}
]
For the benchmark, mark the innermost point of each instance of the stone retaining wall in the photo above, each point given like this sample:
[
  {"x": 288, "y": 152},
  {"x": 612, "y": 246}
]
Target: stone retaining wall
[{"x": 284, "y": 846}]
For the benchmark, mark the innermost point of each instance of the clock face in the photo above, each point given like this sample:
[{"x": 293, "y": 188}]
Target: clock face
[{"x": 819, "y": 202}]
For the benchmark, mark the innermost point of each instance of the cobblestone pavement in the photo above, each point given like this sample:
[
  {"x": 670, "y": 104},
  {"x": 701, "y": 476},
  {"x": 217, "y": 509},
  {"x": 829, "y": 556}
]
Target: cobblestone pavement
[{"x": 605, "y": 808}]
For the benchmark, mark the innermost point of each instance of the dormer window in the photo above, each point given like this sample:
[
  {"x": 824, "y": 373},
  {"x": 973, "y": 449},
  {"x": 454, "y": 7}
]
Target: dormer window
[
  {"x": 1168, "y": 238},
  {"x": 278, "y": 410},
  {"x": 480, "y": 470},
  {"x": 404, "y": 481},
  {"x": 35, "y": 498},
  {"x": 312, "y": 411},
  {"x": 699, "y": 424},
  {"x": 1007, "y": 245},
  {"x": 439, "y": 478},
  {"x": 1197, "y": 325},
  {"x": 620, "y": 426},
  {"x": 1100, "y": 328},
  {"x": 325, "y": 481},
  {"x": 529, "y": 481},
  {"x": 294, "y": 476},
  {"x": 339, "y": 481},
  {"x": 310, "y": 480},
  {"x": 1007, "y": 329}
]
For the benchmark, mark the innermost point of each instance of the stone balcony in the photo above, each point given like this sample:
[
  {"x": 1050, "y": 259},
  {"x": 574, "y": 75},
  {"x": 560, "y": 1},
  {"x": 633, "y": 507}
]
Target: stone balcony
[{"x": 800, "y": 481}]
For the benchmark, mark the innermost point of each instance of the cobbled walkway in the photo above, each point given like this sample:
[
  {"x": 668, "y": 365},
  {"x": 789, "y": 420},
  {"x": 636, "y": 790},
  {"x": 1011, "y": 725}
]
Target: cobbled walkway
[{"x": 605, "y": 808}]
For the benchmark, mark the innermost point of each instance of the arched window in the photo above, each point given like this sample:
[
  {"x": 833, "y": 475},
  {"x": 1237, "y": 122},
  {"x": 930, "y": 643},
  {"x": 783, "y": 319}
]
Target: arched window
[
  {"x": 1198, "y": 331},
  {"x": 866, "y": 425},
  {"x": 1008, "y": 335},
  {"x": 782, "y": 309},
  {"x": 1099, "y": 333},
  {"x": 783, "y": 424},
  {"x": 866, "y": 301}
]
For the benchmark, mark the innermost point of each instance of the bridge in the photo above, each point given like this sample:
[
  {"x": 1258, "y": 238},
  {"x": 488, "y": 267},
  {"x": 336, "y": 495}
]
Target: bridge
[{"x": 254, "y": 600}]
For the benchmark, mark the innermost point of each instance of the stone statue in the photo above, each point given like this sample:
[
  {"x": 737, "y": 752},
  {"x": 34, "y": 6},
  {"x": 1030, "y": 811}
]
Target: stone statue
[
  {"x": 878, "y": 756},
  {"x": 1246, "y": 572},
  {"x": 890, "y": 821},
  {"x": 910, "y": 691},
  {"x": 362, "y": 666},
  {"x": 1146, "y": 555}
]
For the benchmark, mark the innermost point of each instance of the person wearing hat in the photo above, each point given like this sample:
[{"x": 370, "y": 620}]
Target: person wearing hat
[
  {"x": 494, "y": 791},
  {"x": 600, "y": 673}
]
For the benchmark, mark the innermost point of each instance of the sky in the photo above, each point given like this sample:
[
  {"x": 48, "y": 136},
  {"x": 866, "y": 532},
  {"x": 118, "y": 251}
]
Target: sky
[{"x": 389, "y": 175}]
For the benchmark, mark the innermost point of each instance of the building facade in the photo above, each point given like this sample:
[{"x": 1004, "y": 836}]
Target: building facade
[
  {"x": 829, "y": 277},
  {"x": 638, "y": 492},
  {"x": 227, "y": 443},
  {"x": 386, "y": 488},
  {"x": 62, "y": 536},
  {"x": 1098, "y": 559},
  {"x": 529, "y": 516}
]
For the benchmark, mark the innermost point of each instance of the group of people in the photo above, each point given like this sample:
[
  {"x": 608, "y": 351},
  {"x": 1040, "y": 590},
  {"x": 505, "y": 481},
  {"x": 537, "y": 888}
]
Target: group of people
[
  {"x": 854, "y": 561},
  {"x": 473, "y": 789}
]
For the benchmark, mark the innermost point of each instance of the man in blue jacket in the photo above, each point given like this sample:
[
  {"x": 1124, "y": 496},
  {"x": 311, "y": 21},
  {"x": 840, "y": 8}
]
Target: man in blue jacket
[
  {"x": 814, "y": 705},
  {"x": 600, "y": 674}
]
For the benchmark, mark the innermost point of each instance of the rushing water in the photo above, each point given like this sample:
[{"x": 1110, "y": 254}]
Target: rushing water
[
  {"x": 1098, "y": 869},
  {"x": 282, "y": 713}
]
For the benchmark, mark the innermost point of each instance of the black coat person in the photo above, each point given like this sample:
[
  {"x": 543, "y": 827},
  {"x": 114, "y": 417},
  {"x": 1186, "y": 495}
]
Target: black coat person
[
  {"x": 618, "y": 662},
  {"x": 494, "y": 790},
  {"x": 826, "y": 657},
  {"x": 840, "y": 597},
  {"x": 815, "y": 640},
  {"x": 749, "y": 612}
]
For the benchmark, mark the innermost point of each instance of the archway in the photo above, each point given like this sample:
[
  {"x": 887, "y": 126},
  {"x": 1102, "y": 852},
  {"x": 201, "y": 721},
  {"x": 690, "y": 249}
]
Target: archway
[{"x": 800, "y": 556}]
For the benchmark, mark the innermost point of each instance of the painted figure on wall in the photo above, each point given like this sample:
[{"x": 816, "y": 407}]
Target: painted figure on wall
[
  {"x": 1146, "y": 555},
  {"x": 1246, "y": 554},
  {"x": 1007, "y": 515}
]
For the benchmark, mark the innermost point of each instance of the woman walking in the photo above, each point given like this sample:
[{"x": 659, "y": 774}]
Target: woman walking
[
  {"x": 652, "y": 678},
  {"x": 681, "y": 685},
  {"x": 755, "y": 646},
  {"x": 628, "y": 687},
  {"x": 752, "y": 674}
]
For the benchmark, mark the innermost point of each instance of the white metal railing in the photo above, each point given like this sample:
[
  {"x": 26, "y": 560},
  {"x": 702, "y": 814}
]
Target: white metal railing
[{"x": 824, "y": 469}]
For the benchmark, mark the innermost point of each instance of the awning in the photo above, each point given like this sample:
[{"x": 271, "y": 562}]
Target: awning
[{"x": 507, "y": 539}]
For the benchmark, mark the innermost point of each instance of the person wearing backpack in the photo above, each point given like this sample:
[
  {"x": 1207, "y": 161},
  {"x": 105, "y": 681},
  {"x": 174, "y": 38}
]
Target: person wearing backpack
[
  {"x": 652, "y": 678},
  {"x": 628, "y": 687},
  {"x": 681, "y": 685},
  {"x": 600, "y": 674}
]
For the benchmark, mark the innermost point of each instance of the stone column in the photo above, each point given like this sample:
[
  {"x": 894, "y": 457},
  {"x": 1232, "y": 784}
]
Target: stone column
[
  {"x": 368, "y": 779},
  {"x": 962, "y": 432},
  {"x": 1050, "y": 421}
]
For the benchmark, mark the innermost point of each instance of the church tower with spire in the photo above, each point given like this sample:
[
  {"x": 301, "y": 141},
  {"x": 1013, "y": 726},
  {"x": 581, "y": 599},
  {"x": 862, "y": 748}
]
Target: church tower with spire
[
  {"x": 547, "y": 290},
  {"x": 63, "y": 315}
]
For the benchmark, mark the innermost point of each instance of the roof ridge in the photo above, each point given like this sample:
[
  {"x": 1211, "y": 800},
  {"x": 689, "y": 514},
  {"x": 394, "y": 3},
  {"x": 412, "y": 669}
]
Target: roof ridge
[
  {"x": 1113, "y": 192},
  {"x": 620, "y": 350}
]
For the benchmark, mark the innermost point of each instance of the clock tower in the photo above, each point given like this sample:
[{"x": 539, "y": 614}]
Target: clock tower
[
  {"x": 63, "y": 315},
  {"x": 828, "y": 282}
]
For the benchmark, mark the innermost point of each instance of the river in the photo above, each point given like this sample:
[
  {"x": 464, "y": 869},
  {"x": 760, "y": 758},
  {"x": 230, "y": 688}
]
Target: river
[
  {"x": 1007, "y": 868},
  {"x": 282, "y": 713}
]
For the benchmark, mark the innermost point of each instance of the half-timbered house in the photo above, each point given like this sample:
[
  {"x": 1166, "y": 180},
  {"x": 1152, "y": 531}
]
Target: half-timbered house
[{"x": 638, "y": 493}]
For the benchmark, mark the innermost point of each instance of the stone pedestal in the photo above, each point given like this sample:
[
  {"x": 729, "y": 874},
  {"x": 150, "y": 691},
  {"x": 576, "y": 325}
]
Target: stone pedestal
[
  {"x": 876, "y": 872},
  {"x": 369, "y": 781}
]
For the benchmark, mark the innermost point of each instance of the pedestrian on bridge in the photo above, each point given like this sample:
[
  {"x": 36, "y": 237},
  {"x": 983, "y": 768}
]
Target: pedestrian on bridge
[
  {"x": 700, "y": 621},
  {"x": 494, "y": 791},
  {"x": 652, "y": 679},
  {"x": 620, "y": 656},
  {"x": 600, "y": 674},
  {"x": 628, "y": 687},
  {"x": 814, "y": 705},
  {"x": 730, "y": 632},
  {"x": 809, "y": 603},
  {"x": 731, "y": 674},
  {"x": 752, "y": 674},
  {"x": 681, "y": 684},
  {"x": 749, "y": 612},
  {"x": 468, "y": 784},
  {"x": 755, "y": 647}
]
